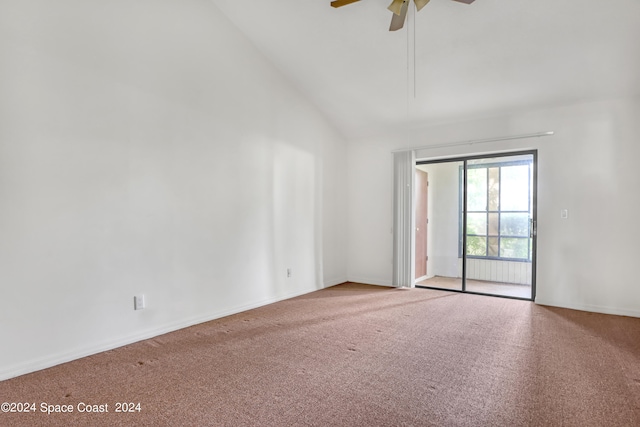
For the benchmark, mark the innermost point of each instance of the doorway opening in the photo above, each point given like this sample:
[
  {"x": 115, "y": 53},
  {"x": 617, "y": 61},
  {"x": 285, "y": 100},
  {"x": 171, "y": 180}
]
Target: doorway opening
[{"x": 479, "y": 220}]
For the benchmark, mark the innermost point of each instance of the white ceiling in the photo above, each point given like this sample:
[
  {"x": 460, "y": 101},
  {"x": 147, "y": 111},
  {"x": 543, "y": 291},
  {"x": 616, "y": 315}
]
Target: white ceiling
[{"x": 490, "y": 57}]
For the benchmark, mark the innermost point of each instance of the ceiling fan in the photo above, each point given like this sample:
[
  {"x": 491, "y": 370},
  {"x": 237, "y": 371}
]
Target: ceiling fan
[{"x": 398, "y": 7}]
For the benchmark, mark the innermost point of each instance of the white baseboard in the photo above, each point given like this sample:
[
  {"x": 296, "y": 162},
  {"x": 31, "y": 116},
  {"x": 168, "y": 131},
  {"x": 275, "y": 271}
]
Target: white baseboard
[
  {"x": 80, "y": 352},
  {"x": 370, "y": 281},
  {"x": 589, "y": 307},
  {"x": 332, "y": 282}
]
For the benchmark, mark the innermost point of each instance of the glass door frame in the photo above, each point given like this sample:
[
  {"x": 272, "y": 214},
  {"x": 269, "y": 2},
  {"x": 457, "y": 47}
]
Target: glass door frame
[{"x": 533, "y": 224}]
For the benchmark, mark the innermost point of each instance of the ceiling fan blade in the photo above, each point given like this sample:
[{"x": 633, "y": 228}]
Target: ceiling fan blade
[
  {"x": 397, "y": 21},
  {"x": 465, "y": 1},
  {"x": 421, "y": 3},
  {"x": 396, "y": 6},
  {"x": 340, "y": 3}
]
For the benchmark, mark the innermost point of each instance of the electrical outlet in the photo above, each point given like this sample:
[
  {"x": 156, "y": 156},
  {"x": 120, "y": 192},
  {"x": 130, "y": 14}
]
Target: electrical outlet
[
  {"x": 288, "y": 272},
  {"x": 138, "y": 302},
  {"x": 564, "y": 214}
]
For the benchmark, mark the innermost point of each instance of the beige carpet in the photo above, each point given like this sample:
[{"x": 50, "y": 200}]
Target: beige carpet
[{"x": 356, "y": 355}]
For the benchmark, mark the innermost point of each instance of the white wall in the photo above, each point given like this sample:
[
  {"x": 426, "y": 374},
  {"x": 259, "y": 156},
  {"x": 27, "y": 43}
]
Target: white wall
[
  {"x": 588, "y": 167},
  {"x": 147, "y": 147},
  {"x": 491, "y": 270}
]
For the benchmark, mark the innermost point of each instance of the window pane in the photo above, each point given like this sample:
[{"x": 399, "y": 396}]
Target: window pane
[
  {"x": 494, "y": 188},
  {"x": 514, "y": 183},
  {"x": 477, "y": 189},
  {"x": 499, "y": 207},
  {"x": 477, "y": 223},
  {"x": 476, "y": 246},
  {"x": 514, "y": 247},
  {"x": 514, "y": 224}
]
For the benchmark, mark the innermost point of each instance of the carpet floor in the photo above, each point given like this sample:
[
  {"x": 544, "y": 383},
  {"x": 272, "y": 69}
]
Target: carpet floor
[{"x": 358, "y": 355}]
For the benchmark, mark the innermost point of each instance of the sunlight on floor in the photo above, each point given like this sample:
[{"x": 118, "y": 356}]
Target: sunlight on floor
[{"x": 480, "y": 286}]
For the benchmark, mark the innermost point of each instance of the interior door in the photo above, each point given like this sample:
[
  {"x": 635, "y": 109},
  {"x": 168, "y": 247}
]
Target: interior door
[{"x": 421, "y": 197}]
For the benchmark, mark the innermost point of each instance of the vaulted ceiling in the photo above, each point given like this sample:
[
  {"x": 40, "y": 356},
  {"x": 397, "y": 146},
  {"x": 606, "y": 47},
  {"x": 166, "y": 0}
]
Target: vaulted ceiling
[{"x": 490, "y": 57}]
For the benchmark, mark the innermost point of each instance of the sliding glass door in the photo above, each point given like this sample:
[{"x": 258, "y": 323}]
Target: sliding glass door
[{"x": 495, "y": 219}]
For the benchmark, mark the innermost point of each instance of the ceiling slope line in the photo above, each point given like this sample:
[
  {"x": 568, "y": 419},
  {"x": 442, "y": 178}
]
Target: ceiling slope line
[{"x": 476, "y": 141}]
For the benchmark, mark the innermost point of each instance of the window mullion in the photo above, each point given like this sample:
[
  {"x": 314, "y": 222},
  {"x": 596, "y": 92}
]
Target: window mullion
[
  {"x": 499, "y": 211},
  {"x": 486, "y": 214}
]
